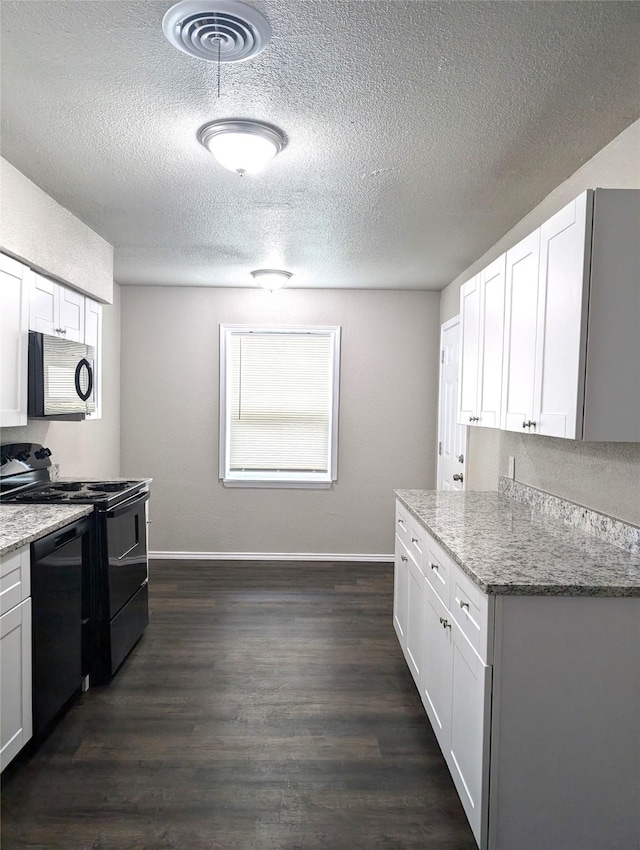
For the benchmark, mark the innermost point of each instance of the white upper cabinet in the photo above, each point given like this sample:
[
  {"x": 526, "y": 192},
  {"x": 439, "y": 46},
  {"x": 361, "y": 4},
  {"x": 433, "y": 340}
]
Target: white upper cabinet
[
  {"x": 561, "y": 322},
  {"x": 569, "y": 365},
  {"x": 470, "y": 351},
  {"x": 56, "y": 310},
  {"x": 521, "y": 308},
  {"x": 15, "y": 287},
  {"x": 482, "y": 315},
  {"x": 492, "y": 292}
]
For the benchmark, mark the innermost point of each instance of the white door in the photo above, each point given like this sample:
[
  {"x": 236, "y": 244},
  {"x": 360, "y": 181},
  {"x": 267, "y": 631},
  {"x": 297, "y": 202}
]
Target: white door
[
  {"x": 468, "y": 751},
  {"x": 469, "y": 351},
  {"x": 415, "y": 621},
  {"x": 452, "y": 437},
  {"x": 436, "y": 667},
  {"x": 400, "y": 592},
  {"x": 492, "y": 280},
  {"x": 562, "y": 321},
  {"x": 15, "y": 285},
  {"x": 521, "y": 307},
  {"x": 15, "y": 693}
]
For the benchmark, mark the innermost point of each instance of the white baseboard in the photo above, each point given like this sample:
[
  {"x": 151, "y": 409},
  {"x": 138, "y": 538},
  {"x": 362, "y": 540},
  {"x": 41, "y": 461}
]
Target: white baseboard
[{"x": 265, "y": 556}]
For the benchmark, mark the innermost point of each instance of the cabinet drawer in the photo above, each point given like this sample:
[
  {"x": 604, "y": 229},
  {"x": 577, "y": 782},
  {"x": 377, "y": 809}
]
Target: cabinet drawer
[
  {"x": 469, "y": 607},
  {"x": 14, "y": 579},
  {"x": 402, "y": 523},
  {"x": 437, "y": 569},
  {"x": 417, "y": 540}
]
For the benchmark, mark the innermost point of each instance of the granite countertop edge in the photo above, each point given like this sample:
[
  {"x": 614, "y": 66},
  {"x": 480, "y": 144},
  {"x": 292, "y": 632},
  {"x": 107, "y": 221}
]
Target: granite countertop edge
[
  {"x": 38, "y": 521},
  {"x": 507, "y": 586}
]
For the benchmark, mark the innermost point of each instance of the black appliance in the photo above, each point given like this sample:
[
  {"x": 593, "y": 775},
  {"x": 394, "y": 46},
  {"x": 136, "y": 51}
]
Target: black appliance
[
  {"x": 60, "y": 384},
  {"x": 56, "y": 609},
  {"x": 115, "y": 577}
]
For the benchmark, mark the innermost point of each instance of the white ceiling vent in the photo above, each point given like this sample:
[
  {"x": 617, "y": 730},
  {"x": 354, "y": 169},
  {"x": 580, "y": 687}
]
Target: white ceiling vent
[{"x": 217, "y": 30}]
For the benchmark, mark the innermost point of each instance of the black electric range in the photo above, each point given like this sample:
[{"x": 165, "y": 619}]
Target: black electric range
[{"x": 115, "y": 575}]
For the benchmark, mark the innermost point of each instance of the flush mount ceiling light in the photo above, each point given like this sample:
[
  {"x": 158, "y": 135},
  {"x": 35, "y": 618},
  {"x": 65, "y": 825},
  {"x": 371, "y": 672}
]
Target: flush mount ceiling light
[
  {"x": 271, "y": 278},
  {"x": 217, "y": 30},
  {"x": 242, "y": 146}
]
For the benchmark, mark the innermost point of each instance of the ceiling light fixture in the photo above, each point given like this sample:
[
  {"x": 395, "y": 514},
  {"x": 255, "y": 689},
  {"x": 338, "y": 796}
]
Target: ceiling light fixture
[
  {"x": 245, "y": 147},
  {"x": 271, "y": 278}
]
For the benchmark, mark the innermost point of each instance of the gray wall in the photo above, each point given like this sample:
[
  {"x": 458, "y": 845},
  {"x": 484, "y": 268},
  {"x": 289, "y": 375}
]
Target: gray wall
[
  {"x": 86, "y": 449},
  {"x": 602, "y": 476},
  {"x": 37, "y": 230},
  {"x": 388, "y": 399}
]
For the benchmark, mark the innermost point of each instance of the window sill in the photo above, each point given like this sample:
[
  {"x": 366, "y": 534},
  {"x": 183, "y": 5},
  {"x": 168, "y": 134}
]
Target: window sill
[{"x": 278, "y": 484}]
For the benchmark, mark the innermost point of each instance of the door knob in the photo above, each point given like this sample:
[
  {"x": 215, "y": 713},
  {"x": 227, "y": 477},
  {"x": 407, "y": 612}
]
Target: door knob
[{"x": 458, "y": 477}]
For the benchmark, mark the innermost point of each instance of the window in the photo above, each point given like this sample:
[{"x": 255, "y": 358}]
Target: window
[{"x": 279, "y": 405}]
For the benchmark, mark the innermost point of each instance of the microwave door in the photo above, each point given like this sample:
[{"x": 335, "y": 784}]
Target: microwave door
[{"x": 67, "y": 377}]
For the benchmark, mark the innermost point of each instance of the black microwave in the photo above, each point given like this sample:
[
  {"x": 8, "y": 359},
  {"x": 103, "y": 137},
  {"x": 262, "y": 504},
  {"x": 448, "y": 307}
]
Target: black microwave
[{"x": 61, "y": 384}]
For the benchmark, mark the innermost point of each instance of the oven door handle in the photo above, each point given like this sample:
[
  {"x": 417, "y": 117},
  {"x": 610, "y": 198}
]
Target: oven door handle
[{"x": 123, "y": 507}]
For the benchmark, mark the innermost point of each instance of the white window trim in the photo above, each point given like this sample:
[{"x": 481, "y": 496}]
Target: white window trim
[{"x": 289, "y": 480}]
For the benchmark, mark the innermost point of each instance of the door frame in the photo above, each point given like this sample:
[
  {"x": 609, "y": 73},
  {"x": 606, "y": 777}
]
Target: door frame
[{"x": 445, "y": 326}]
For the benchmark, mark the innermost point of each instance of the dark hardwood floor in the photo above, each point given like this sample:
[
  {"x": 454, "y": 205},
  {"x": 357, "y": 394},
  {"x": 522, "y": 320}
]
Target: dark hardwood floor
[{"x": 267, "y": 707}]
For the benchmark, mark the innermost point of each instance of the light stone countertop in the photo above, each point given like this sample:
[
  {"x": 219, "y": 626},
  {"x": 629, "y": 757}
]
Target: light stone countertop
[
  {"x": 507, "y": 547},
  {"x": 21, "y": 524}
]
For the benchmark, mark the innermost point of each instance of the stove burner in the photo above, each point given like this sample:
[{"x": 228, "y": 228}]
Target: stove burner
[
  {"x": 77, "y": 497},
  {"x": 67, "y": 486},
  {"x": 109, "y": 486},
  {"x": 38, "y": 497}
]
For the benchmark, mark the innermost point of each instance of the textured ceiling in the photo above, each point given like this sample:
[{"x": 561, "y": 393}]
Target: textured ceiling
[{"x": 419, "y": 132}]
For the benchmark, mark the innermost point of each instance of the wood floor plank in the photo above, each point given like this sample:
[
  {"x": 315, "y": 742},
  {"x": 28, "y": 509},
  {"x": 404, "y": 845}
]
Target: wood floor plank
[{"x": 267, "y": 707}]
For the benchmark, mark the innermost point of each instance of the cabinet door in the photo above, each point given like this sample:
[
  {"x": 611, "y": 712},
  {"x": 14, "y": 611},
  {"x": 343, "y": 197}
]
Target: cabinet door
[
  {"x": 71, "y": 307},
  {"x": 56, "y": 310},
  {"x": 400, "y": 591},
  {"x": 468, "y": 756},
  {"x": 521, "y": 308},
  {"x": 15, "y": 689},
  {"x": 43, "y": 308},
  {"x": 469, "y": 351},
  {"x": 436, "y": 667},
  {"x": 489, "y": 395},
  {"x": 415, "y": 620},
  {"x": 93, "y": 337},
  {"x": 562, "y": 321},
  {"x": 15, "y": 285}
]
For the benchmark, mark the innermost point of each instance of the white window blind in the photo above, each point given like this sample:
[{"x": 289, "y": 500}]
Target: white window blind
[{"x": 279, "y": 394}]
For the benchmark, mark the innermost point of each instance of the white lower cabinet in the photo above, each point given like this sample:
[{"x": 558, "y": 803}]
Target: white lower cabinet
[
  {"x": 400, "y": 590},
  {"x": 468, "y": 753},
  {"x": 15, "y": 655},
  {"x": 455, "y": 688},
  {"x": 534, "y": 701}
]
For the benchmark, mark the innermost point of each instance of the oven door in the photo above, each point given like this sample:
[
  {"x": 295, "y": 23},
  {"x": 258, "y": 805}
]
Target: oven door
[{"x": 126, "y": 526}]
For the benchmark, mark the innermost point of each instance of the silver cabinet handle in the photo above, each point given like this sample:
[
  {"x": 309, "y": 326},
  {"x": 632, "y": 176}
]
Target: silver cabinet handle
[
  {"x": 403, "y": 558},
  {"x": 460, "y": 458},
  {"x": 474, "y": 419},
  {"x": 529, "y": 424},
  {"x": 463, "y": 605},
  {"x": 458, "y": 477},
  {"x": 414, "y": 539},
  {"x": 60, "y": 330},
  {"x": 400, "y": 522},
  {"x": 433, "y": 566},
  {"x": 445, "y": 623}
]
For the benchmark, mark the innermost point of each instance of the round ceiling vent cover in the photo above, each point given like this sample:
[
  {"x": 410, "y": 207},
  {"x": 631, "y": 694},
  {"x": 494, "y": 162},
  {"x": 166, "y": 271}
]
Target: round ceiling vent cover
[{"x": 224, "y": 30}]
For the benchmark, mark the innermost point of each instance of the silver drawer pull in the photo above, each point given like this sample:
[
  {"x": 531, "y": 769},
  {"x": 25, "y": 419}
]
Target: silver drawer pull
[
  {"x": 434, "y": 567},
  {"x": 414, "y": 539},
  {"x": 400, "y": 522},
  {"x": 463, "y": 604},
  {"x": 445, "y": 623},
  {"x": 403, "y": 558}
]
